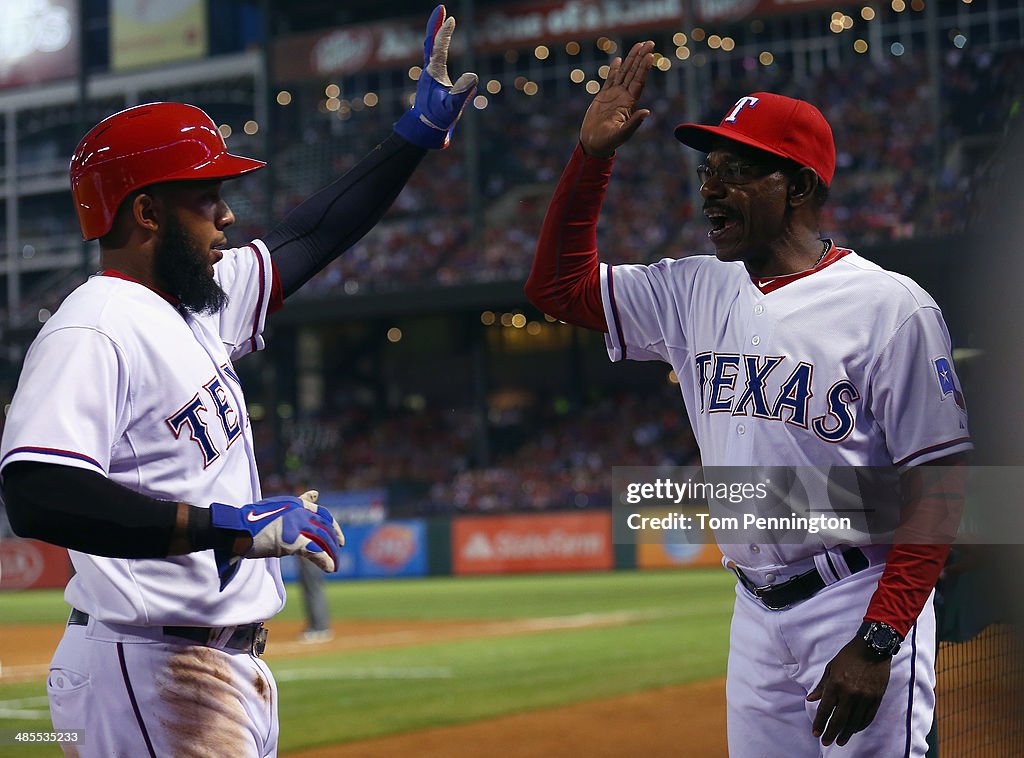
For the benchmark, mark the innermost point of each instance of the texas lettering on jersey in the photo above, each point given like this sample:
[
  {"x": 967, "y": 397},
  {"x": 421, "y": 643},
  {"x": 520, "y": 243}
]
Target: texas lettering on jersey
[
  {"x": 720, "y": 376},
  {"x": 194, "y": 413}
]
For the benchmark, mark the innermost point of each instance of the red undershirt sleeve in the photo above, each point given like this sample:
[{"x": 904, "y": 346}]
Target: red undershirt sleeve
[
  {"x": 911, "y": 572},
  {"x": 565, "y": 280},
  {"x": 933, "y": 508},
  {"x": 276, "y": 291}
]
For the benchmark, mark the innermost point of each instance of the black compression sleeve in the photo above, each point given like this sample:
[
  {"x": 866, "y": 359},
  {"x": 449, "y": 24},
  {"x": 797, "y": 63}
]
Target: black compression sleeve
[
  {"x": 327, "y": 224},
  {"x": 83, "y": 510}
]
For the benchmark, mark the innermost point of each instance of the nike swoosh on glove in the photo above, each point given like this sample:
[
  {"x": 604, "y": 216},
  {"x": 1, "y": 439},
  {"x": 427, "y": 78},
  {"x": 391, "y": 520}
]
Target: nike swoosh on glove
[
  {"x": 439, "y": 103},
  {"x": 278, "y": 526}
]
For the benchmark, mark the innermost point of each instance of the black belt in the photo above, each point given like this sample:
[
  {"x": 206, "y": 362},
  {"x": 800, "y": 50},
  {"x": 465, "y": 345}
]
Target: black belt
[
  {"x": 800, "y": 587},
  {"x": 251, "y": 637}
]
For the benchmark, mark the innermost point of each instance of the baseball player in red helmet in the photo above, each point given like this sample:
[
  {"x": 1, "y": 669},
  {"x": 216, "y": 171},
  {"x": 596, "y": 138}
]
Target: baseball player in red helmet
[
  {"x": 128, "y": 440},
  {"x": 791, "y": 351}
]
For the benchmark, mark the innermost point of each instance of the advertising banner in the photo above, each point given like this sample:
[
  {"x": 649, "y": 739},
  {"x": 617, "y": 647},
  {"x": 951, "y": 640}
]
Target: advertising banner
[
  {"x": 708, "y": 11},
  {"x": 28, "y": 564},
  {"x": 528, "y": 543},
  {"x": 677, "y": 555},
  {"x": 38, "y": 41},
  {"x": 400, "y": 43},
  {"x": 154, "y": 32},
  {"x": 374, "y": 551},
  {"x": 356, "y": 506}
]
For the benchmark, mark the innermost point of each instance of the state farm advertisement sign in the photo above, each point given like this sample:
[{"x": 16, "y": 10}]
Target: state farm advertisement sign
[
  {"x": 27, "y": 564},
  {"x": 518, "y": 544}
]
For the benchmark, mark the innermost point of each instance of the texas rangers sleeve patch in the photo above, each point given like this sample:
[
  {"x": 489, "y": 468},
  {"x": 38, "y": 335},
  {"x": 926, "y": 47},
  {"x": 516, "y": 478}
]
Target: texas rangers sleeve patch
[{"x": 947, "y": 382}]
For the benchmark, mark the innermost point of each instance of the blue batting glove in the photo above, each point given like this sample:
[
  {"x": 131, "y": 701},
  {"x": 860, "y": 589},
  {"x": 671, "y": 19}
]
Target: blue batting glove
[
  {"x": 279, "y": 526},
  {"x": 439, "y": 103}
]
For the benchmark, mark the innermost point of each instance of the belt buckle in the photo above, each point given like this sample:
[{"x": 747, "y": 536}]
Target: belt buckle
[
  {"x": 259, "y": 641},
  {"x": 767, "y": 604},
  {"x": 764, "y": 590}
]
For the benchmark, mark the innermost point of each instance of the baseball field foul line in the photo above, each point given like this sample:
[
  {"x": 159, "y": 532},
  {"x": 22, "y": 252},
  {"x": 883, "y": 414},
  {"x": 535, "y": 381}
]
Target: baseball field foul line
[
  {"x": 502, "y": 628},
  {"x": 380, "y": 672},
  {"x": 16, "y": 709}
]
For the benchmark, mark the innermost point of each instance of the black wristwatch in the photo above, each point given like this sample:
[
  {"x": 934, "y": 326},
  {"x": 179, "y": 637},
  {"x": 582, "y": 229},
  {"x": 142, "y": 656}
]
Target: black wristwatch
[{"x": 882, "y": 639}]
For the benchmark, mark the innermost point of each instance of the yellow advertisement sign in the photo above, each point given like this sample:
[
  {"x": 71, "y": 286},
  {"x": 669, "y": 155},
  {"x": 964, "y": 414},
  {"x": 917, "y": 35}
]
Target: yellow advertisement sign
[
  {"x": 669, "y": 549},
  {"x": 153, "y": 32}
]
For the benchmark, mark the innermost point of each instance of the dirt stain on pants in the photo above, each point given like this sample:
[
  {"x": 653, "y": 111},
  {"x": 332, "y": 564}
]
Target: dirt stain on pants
[{"x": 204, "y": 713}]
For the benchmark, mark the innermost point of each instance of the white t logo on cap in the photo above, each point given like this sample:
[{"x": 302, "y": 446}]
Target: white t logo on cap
[{"x": 743, "y": 102}]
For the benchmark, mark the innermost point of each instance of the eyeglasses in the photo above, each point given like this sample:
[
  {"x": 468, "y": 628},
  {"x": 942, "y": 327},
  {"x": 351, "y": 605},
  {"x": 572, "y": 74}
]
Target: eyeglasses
[{"x": 733, "y": 173}]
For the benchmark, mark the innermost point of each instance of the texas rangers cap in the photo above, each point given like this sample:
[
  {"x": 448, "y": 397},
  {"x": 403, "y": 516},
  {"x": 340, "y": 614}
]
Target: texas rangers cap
[{"x": 777, "y": 124}]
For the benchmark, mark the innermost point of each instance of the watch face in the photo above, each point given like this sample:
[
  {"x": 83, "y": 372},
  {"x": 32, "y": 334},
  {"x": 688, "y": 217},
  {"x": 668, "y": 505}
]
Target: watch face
[{"x": 883, "y": 639}]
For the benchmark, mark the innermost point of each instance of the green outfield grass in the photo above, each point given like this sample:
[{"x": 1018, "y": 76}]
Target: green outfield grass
[{"x": 667, "y": 628}]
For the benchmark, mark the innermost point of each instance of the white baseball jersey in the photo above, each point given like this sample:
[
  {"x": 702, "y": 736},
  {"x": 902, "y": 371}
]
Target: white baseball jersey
[
  {"x": 843, "y": 365},
  {"x": 122, "y": 382}
]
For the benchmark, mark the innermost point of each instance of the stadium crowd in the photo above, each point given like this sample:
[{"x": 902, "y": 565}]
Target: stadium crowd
[
  {"x": 545, "y": 456},
  {"x": 890, "y": 185}
]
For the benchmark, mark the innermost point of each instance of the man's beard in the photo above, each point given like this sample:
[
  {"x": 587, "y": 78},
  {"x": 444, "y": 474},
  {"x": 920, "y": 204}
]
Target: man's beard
[{"x": 182, "y": 270}]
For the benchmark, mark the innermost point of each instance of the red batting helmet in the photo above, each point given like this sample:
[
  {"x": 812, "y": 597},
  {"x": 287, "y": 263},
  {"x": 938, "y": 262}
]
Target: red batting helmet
[{"x": 156, "y": 142}]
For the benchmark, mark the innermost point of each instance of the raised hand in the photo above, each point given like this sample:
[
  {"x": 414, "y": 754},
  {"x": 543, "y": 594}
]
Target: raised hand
[
  {"x": 439, "y": 103},
  {"x": 278, "y": 526},
  {"x": 612, "y": 117}
]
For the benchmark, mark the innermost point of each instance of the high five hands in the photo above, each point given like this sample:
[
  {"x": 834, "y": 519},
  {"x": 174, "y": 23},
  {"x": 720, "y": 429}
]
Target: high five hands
[{"x": 612, "y": 117}]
